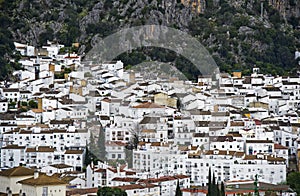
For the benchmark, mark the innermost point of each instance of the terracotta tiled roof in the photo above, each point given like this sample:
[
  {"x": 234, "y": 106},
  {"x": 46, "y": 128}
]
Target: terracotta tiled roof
[
  {"x": 13, "y": 147},
  {"x": 100, "y": 170},
  {"x": 148, "y": 131},
  {"x": 234, "y": 123},
  {"x": 17, "y": 171},
  {"x": 68, "y": 179},
  {"x": 42, "y": 180},
  {"x": 157, "y": 180},
  {"x": 41, "y": 149},
  {"x": 130, "y": 173},
  {"x": 181, "y": 176},
  {"x": 224, "y": 152},
  {"x": 234, "y": 134},
  {"x": 259, "y": 141},
  {"x": 10, "y": 90},
  {"x": 278, "y": 146},
  {"x": 69, "y": 122},
  {"x": 148, "y": 105},
  {"x": 61, "y": 166},
  {"x": 125, "y": 179},
  {"x": 136, "y": 186},
  {"x": 38, "y": 110},
  {"x": 74, "y": 152},
  {"x": 270, "y": 158},
  {"x": 81, "y": 191}
]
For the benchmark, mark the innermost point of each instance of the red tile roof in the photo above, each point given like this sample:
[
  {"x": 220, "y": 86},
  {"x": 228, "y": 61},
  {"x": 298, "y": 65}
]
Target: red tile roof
[
  {"x": 81, "y": 191},
  {"x": 278, "y": 146},
  {"x": 136, "y": 186},
  {"x": 17, "y": 171},
  {"x": 148, "y": 105}
]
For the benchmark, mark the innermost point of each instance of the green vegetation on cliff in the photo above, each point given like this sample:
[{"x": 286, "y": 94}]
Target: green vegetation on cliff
[{"x": 232, "y": 31}]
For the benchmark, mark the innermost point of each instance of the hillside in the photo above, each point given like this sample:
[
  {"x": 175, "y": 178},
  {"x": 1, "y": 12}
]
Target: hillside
[{"x": 232, "y": 30}]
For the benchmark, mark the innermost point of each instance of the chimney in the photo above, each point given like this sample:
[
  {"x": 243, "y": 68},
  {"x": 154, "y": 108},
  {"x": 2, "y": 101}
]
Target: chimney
[
  {"x": 40, "y": 103},
  {"x": 36, "y": 174}
]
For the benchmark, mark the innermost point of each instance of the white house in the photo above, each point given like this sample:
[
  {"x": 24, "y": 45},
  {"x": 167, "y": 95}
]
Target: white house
[
  {"x": 57, "y": 168},
  {"x": 42, "y": 184},
  {"x": 10, "y": 177}
]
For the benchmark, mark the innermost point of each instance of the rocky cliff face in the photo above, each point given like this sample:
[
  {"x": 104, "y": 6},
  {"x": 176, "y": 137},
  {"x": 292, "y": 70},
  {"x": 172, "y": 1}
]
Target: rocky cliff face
[
  {"x": 287, "y": 8},
  {"x": 42, "y": 18}
]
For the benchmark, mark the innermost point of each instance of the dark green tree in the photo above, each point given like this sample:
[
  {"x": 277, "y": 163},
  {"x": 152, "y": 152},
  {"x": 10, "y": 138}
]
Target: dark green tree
[
  {"x": 108, "y": 191},
  {"x": 217, "y": 189},
  {"x": 293, "y": 180},
  {"x": 209, "y": 188},
  {"x": 213, "y": 186},
  {"x": 178, "y": 192},
  {"x": 33, "y": 104},
  {"x": 222, "y": 193},
  {"x": 101, "y": 143},
  {"x": 92, "y": 144}
]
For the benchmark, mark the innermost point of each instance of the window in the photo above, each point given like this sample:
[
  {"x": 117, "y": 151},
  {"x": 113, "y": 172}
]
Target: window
[
  {"x": 45, "y": 191},
  {"x": 250, "y": 150}
]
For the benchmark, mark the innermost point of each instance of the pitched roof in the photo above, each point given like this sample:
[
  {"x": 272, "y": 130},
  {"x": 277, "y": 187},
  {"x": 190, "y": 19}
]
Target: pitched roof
[
  {"x": 68, "y": 179},
  {"x": 81, "y": 191},
  {"x": 61, "y": 166},
  {"x": 259, "y": 141},
  {"x": 125, "y": 179},
  {"x": 13, "y": 146},
  {"x": 17, "y": 171},
  {"x": 42, "y": 180},
  {"x": 41, "y": 149},
  {"x": 10, "y": 90},
  {"x": 278, "y": 146},
  {"x": 136, "y": 186},
  {"x": 148, "y": 105},
  {"x": 74, "y": 152}
]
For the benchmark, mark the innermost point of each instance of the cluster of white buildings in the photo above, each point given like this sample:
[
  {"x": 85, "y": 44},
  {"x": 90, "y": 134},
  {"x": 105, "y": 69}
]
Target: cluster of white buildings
[{"x": 166, "y": 131}]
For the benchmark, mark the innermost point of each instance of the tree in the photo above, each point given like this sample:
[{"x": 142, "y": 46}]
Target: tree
[
  {"x": 89, "y": 157},
  {"x": 209, "y": 183},
  {"x": 129, "y": 156},
  {"x": 178, "y": 191},
  {"x": 97, "y": 146},
  {"x": 213, "y": 186},
  {"x": 108, "y": 191},
  {"x": 101, "y": 143},
  {"x": 217, "y": 189},
  {"x": 136, "y": 136},
  {"x": 293, "y": 180},
  {"x": 24, "y": 103},
  {"x": 33, "y": 104},
  {"x": 222, "y": 193}
]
